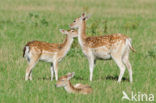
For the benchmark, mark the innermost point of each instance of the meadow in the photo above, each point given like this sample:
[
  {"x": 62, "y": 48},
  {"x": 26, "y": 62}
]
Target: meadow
[{"x": 26, "y": 20}]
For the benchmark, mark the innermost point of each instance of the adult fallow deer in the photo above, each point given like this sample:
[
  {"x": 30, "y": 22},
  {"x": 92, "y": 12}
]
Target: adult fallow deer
[
  {"x": 115, "y": 46},
  {"x": 48, "y": 52}
]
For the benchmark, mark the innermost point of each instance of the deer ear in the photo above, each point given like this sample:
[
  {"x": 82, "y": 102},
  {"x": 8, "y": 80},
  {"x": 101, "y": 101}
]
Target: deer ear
[
  {"x": 70, "y": 75},
  {"x": 62, "y": 31},
  {"x": 84, "y": 17}
]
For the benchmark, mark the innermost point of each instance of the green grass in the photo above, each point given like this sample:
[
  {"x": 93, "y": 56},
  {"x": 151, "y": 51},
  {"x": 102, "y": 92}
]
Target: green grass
[{"x": 25, "y": 20}]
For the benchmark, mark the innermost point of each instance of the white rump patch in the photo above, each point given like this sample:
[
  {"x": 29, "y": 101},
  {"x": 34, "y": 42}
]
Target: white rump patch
[{"x": 27, "y": 53}]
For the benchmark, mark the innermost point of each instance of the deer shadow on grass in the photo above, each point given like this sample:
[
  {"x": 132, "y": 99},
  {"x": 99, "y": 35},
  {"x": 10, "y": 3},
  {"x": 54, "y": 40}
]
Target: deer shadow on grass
[{"x": 110, "y": 77}]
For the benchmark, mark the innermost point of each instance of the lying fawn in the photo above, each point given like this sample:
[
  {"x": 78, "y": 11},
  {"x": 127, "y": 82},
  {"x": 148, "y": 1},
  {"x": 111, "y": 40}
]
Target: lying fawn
[
  {"x": 48, "y": 52},
  {"x": 64, "y": 81},
  {"x": 115, "y": 46}
]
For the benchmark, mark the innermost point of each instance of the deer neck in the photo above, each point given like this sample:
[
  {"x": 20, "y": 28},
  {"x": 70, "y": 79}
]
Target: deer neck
[
  {"x": 82, "y": 33},
  {"x": 65, "y": 46},
  {"x": 70, "y": 88}
]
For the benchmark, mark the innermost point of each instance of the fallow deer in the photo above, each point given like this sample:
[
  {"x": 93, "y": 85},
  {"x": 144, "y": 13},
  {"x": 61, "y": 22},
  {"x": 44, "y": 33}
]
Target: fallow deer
[
  {"x": 114, "y": 46},
  {"x": 64, "y": 81},
  {"x": 48, "y": 52}
]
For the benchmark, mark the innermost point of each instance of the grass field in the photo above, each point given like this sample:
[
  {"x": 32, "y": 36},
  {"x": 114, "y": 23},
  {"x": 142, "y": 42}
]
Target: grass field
[{"x": 25, "y": 20}]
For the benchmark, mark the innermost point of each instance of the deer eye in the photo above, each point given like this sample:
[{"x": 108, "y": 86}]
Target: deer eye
[{"x": 74, "y": 21}]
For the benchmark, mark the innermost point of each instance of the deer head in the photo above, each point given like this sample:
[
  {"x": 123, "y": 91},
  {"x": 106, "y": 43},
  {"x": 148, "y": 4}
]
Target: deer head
[
  {"x": 71, "y": 33},
  {"x": 78, "y": 21},
  {"x": 63, "y": 81}
]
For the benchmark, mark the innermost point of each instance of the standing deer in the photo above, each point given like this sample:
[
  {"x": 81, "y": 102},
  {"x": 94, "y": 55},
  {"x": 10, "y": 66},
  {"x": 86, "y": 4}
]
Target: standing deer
[
  {"x": 64, "y": 81},
  {"x": 48, "y": 52},
  {"x": 115, "y": 46}
]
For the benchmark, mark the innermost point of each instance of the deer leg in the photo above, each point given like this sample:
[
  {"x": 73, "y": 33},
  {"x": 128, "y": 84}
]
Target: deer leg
[
  {"x": 128, "y": 65},
  {"x": 52, "y": 71},
  {"x": 30, "y": 67},
  {"x": 91, "y": 66},
  {"x": 30, "y": 75},
  {"x": 29, "y": 70},
  {"x": 120, "y": 64},
  {"x": 56, "y": 70}
]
